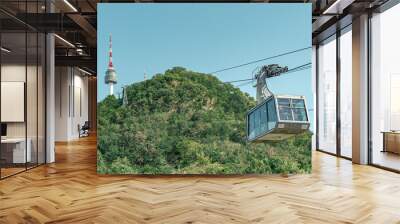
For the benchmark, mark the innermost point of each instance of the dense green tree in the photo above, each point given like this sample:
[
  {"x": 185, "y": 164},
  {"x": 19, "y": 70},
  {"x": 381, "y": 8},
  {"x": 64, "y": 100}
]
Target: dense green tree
[{"x": 188, "y": 122}]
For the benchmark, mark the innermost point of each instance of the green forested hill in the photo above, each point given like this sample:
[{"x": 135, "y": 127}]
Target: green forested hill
[{"x": 188, "y": 122}]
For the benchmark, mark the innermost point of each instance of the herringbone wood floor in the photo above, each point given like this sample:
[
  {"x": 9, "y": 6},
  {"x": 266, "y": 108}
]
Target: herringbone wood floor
[{"x": 70, "y": 191}]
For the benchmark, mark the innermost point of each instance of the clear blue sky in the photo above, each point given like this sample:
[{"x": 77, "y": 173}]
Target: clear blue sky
[{"x": 151, "y": 38}]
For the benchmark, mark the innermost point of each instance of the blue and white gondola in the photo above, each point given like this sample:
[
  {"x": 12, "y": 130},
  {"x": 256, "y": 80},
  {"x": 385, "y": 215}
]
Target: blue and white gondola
[{"x": 277, "y": 118}]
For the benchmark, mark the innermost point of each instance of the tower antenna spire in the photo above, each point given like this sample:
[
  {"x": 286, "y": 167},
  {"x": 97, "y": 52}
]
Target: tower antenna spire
[
  {"x": 110, "y": 63},
  {"x": 111, "y": 76}
]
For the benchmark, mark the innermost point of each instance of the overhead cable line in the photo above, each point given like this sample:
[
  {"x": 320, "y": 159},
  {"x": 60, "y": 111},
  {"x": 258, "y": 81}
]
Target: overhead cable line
[
  {"x": 244, "y": 84},
  {"x": 241, "y": 80},
  {"x": 295, "y": 69},
  {"x": 263, "y": 59}
]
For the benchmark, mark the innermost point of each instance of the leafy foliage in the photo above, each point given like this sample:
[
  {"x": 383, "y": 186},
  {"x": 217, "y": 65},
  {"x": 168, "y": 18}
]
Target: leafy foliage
[{"x": 183, "y": 122}]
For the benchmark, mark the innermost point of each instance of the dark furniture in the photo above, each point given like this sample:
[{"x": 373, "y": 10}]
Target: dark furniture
[
  {"x": 3, "y": 129},
  {"x": 391, "y": 141},
  {"x": 84, "y": 129}
]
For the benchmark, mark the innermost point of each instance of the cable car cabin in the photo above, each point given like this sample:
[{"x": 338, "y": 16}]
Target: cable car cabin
[{"x": 277, "y": 118}]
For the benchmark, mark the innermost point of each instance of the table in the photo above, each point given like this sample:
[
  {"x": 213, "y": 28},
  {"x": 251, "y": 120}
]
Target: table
[{"x": 13, "y": 150}]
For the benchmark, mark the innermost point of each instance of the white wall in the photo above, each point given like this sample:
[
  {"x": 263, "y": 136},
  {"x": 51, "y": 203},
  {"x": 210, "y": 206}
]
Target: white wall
[
  {"x": 35, "y": 120},
  {"x": 16, "y": 73},
  {"x": 11, "y": 73},
  {"x": 71, "y": 102},
  {"x": 80, "y": 112},
  {"x": 62, "y": 82}
]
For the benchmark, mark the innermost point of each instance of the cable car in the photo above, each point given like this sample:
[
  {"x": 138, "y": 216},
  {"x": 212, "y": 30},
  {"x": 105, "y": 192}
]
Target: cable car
[{"x": 276, "y": 117}]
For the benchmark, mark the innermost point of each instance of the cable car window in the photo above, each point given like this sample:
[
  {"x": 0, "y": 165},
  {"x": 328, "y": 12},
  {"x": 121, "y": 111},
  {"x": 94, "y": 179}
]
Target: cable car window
[
  {"x": 285, "y": 112},
  {"x": 272, "y": 119},
  {"x": 299, "y": 111},
  {"x": 299, "y": 114},
  {"x": 251, "y": 125},
  {"x": 257, "y": 121},
  {"x": 263, "y": 118},
  {"x": 298, "y": 103},
  {"x": 285, "y": 102}
]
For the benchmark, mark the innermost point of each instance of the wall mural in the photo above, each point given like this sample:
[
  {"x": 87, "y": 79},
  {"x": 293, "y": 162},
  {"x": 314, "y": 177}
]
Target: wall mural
[{"x": 204, "y": 88}]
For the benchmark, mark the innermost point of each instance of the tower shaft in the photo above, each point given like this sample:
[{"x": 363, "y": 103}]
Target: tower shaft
[{"x": 111, "y": 85}]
